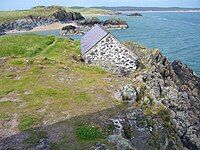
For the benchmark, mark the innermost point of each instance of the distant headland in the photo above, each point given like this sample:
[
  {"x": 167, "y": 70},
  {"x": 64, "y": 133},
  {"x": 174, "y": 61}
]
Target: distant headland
[{"x": 168, "y": 9}]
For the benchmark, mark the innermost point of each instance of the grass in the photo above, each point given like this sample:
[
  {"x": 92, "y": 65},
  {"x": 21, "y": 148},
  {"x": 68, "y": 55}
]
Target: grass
[
  {"x": 49, "y": 84},
  {"x": 27, "y": 122},
  {"x": 88, "y": 132},
  {"x": 30, "y": 46}
]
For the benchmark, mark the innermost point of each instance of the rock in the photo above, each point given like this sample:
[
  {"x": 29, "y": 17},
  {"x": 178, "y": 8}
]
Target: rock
[
  {"x": 118, "y": 95},
  {"x": 69, "y": 27},
  {"x": 118, "y": 126},
  {"x": 64, "y": 16},
  {"x": 69, "y": 30},
  {"x": 84, "y": 26},
  {"x": 2, "y": 32},
  {"x": 29, "y": 22},
  {"x": 118, "y": 13},
  {"x": 10, "y": 97},
  {"x": 121, "y": 142},
  {"x": 186, "y": 76},
  {"x": 129, "y": 93},
  {"x": 99, "y": 146},
  {"x": 90, "y": 22},
  {"x": 135, "y": 15},
  {"x": 43, "y": 145},
  {"x": 115, "y": 23}
]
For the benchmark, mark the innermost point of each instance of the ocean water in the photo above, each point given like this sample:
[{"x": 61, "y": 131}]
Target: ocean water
[{"x": 176, "y": 34}]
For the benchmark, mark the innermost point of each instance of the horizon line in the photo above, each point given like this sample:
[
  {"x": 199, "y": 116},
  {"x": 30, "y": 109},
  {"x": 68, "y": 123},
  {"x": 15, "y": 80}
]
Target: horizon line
[{"x": 108, "y": 7}]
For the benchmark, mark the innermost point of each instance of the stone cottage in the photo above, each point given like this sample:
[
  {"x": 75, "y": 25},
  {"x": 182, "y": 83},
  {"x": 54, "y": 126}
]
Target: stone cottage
[{"x": 101, "y": 48}]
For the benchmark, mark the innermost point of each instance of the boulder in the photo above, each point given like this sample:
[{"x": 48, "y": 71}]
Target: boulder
[{"x": 129, "y": 93}]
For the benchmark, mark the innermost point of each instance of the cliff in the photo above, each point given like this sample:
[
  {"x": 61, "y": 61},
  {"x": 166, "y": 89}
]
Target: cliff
[
  {"x": 33, "y": 19},
  {"x": 51, "y": 99}
]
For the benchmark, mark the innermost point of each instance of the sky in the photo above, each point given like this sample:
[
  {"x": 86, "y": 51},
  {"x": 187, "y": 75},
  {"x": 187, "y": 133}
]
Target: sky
[{"x": 26, "y": 4}]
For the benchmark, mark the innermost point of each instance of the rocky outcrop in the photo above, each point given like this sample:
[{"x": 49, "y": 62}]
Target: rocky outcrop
[
  {"x": 63, "y": 16},
  {"x": 69, "y": 30},
  {"x": 172, "y": 85},
  {"x": 85, "y": 25},
  {"x": 128, "y": 93},
  {"x": 90, "y": 22},
  {"x": 135, "y": 15},
  {"x": 115, "y": 23},
  {"x": 32, "y": 21}
]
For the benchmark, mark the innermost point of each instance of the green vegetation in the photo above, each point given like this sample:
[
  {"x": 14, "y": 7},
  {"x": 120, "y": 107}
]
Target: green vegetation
[
  {"x": 44, "y": 82},
  {"x": 32, "y": 45},
  {"x": 27, "y": 122},
  {"x": 88, "y": 132},
  {"x": 45, "y": 12}
]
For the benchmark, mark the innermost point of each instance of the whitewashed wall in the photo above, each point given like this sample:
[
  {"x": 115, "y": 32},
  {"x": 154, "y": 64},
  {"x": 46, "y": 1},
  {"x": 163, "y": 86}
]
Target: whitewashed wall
[{"x": 112, "y": 55}]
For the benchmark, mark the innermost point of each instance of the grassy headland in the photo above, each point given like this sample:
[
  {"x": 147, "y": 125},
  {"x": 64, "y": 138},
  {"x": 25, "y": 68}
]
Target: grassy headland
[
  {"x": 45, "y": 12},
  {"x": 43, "y": 82}
]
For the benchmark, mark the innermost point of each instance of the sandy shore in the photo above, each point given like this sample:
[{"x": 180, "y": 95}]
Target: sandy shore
[{"x": 54, "y": 26}]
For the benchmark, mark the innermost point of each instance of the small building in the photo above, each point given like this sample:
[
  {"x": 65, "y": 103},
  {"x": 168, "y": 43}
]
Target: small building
[{"x": 101, "y": 48}]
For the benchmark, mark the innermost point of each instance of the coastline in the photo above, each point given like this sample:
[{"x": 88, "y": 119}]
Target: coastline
[
  {"x": 177, "y": 11},
  {"x": 59, "y": 26},
  {"x": 54, "y": 26}
]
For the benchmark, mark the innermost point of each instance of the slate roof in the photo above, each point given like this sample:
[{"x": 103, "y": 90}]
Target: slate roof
[{"x": 92, "y": 37}]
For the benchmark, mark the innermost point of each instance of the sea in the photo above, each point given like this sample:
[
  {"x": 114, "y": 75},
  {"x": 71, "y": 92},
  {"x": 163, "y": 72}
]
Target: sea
[{"x": 176, "y": 34}]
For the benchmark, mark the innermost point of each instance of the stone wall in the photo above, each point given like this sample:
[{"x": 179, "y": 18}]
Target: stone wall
[{"x": 112, "y": 55}]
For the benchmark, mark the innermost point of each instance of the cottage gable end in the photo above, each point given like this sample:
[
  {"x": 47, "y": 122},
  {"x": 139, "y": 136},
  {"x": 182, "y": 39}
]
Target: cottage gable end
[{"x": 110, "y": 54}]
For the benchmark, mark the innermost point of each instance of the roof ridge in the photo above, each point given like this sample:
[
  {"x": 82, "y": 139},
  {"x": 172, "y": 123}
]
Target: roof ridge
[{"x": 92, "y": 37}]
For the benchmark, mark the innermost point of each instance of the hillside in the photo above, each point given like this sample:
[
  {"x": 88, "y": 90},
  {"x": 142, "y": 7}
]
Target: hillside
[
  {"x": 47, "y": 11},
  {"x": 51, "y": 99},
  {"x": 43, "y": 82}
]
